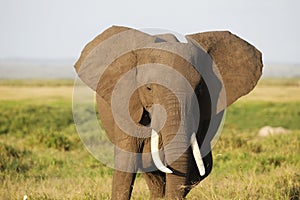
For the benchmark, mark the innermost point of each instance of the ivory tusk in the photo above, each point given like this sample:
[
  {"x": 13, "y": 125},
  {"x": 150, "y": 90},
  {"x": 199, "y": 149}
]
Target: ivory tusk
[
  {"x": 155, "y": 153},
  {"x": 197, "y": 154}
]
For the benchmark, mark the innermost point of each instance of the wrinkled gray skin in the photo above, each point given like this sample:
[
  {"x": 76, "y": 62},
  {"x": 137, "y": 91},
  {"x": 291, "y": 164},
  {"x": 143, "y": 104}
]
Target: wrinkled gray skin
[
  {"x": 185, "y": 172},
  {"x": 240, "y": 67}
]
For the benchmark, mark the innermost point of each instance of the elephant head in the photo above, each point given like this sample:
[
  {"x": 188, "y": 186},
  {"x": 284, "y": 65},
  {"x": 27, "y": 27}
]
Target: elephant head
[{"x": 160, "y": 100}]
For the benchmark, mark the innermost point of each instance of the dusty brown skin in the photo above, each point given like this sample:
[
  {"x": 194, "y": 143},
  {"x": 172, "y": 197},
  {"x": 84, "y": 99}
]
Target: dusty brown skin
[{"x": 240, "y": 66}]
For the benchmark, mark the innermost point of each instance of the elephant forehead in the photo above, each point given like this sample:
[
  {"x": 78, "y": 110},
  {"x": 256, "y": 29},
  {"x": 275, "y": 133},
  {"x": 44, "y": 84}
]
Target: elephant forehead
[
  {"x": 162, "y": 66},
  {"x": 158, "y": 74}
]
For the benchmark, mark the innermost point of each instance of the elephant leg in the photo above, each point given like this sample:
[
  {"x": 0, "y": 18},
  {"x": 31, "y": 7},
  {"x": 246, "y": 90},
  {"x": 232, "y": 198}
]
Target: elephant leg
[
  {"x": 122, "y": 185},
  {"x": 176, "y": 183},
  {"x": 156, "y": 183},
  {"x": 126, "y": 164}
]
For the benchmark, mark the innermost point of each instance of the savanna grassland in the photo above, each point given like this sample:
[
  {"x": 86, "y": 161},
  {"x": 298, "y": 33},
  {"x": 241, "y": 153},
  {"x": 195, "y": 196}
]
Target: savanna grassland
[{"x": 41, "y": 154}]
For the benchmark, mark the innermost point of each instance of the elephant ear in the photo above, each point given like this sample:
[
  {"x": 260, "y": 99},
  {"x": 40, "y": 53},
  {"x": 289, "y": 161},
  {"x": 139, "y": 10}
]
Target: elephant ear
[
  {"x": 91, "y": 63},
  {"x": 96, "y": 41},
  {"x": 239, "y": 63}
]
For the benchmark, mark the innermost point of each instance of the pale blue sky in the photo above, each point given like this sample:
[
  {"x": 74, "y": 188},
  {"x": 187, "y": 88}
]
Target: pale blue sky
[{"x": 58, "y": 29}]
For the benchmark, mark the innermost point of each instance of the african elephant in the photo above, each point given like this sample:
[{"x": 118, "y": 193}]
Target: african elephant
[{"x": 160, "y": 101}]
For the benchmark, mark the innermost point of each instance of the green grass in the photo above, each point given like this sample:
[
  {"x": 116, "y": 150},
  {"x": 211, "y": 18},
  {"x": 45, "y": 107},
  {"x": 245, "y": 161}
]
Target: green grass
[
  {"x": 251, "y": 115},
  {"x": 38, "y": 145},
  {"x": 41, "y": 154}
]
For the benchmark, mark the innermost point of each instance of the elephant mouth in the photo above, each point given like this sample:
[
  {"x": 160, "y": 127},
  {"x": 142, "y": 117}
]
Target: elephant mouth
[
  {"x": 146, "y": 121},
  {"x": 158, "y": 162},
  {"x": 146, "y": 118}
]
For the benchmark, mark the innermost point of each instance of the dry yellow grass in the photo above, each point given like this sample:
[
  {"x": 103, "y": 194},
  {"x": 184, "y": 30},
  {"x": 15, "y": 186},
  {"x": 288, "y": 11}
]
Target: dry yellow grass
[
  {"x": 69, "y": 188},
  {"x": 260, "y": 93},
  {"x": 273, "y": 94},
  {"x": 35, "y": 92}
]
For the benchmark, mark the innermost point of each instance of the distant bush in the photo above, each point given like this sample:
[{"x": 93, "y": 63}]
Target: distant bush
[
  {"x": 254, "y": 115},
  {"x": 49, "y": 126},
  {"x": 25, "y": 119},
  {"x": 52, "y": 139}
]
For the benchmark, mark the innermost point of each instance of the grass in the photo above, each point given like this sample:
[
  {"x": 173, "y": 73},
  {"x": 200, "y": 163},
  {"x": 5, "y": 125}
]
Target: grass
[
  {"x": 41, "y": 154},
  {"x": 36, "y": 82}
]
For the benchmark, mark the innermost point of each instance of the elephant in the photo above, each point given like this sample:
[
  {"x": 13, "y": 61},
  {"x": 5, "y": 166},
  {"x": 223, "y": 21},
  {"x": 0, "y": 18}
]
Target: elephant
[{"x": 161, "y": 100}]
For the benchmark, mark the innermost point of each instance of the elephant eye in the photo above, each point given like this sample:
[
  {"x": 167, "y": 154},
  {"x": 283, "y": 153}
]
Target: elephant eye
[{"x": 149, "y": 88}]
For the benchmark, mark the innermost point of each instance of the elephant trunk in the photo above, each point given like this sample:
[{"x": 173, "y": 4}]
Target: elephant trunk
[
  {"x": 176, "y": 138},
  {"x": 177, "y": 158}
]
